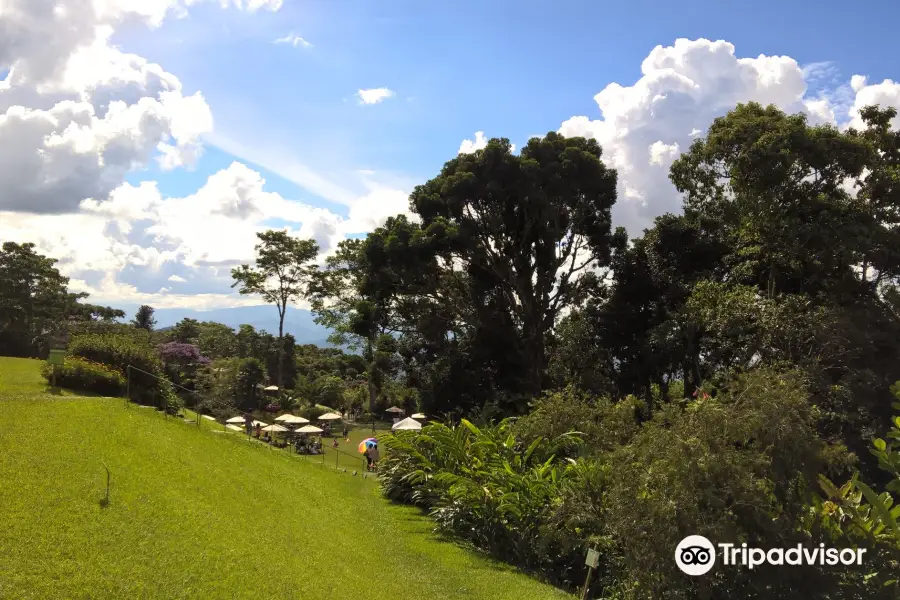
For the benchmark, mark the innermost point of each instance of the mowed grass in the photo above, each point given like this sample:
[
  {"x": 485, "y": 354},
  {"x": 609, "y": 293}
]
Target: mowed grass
[{"x": 194, "y": 514}]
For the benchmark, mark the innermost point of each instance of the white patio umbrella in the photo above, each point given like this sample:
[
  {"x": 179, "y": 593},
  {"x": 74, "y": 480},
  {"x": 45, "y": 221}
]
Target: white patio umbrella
[
  {"x": 292, "y": 419},
  {"x": 235, "y": 420},
  {"x": 208, "y": 418},
  {"x": 394, "y": 409},
  {"x": 418, "y": 416},
  {"x": 330, "y": 417},
  {"x": 260, "y": 423},
  {"x": 274, "y": 427},
  {"x": 408, "y": 424},
  {"x": 271, "y": 388},
  {"x": 234, "y": 428},
  {"x": 309, "y": 429}
]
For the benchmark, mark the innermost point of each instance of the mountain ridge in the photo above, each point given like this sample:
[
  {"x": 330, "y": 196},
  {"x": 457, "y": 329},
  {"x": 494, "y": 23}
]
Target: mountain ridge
[{"x": 297, "y": 321}]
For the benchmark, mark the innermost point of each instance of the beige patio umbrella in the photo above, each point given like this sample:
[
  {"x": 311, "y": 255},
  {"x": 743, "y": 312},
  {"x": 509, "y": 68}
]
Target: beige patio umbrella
[
  {"x": 271, "y": 388},
  {"x": 260, "y": 423},
  {"x": 208, "y": 418},
  {"x": 235, "y": 420},
  {"x": 292, "y": 419},
  {"x": 330, "y": 417},
  {"x": 408, "y": 424},
  {"x": 394, "y": 409},
  {"x": 418, "y": 416},
  {"x": 274, "y": 428},
  {"x": 309, "y": 429},
  {"x": 234, "y": 428}
]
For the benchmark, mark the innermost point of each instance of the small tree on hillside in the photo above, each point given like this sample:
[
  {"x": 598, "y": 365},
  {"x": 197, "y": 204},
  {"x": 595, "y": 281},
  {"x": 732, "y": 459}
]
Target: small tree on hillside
[
  {"x": 143, "y": 318},
  {"x": 282, "y": 274}
]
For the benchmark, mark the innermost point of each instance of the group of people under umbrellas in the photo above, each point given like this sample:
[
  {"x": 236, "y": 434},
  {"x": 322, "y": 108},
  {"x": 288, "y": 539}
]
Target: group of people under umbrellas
[{"x": 368, "y": 447}]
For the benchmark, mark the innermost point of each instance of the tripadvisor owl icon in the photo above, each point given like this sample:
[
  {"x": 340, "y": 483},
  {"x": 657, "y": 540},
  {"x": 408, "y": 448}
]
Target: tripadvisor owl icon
[{"x": 695, "y": 555}]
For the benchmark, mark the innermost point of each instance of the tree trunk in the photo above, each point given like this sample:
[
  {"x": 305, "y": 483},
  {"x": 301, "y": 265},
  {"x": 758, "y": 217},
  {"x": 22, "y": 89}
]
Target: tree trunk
[
  {"x": 281, "y": 350},
  {"x": 373, "y": 392},
  {"x": 372, "y": 397},
  {"x": 534, "y": 357}
]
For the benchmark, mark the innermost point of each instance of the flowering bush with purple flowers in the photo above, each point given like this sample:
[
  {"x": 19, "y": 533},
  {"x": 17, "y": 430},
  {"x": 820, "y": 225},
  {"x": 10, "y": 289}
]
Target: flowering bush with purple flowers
[
  {"x": 182, "y": 354},
  {"x": 273, "y": 407}
]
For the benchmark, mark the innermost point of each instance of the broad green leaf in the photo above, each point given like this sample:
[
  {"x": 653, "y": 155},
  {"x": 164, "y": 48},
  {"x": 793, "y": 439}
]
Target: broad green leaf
[{"x": 879, "y": 506}]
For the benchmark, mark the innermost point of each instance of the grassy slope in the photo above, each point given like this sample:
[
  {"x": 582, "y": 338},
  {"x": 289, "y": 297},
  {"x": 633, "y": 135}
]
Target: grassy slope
[{"x": 199, "y": 515}]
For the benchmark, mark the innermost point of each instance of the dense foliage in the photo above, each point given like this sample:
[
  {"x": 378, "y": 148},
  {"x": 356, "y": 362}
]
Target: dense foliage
[
  {"x": 86, "y": 376},
  {"x": 35, "y": 303},
  {"x": 121, "y": 350}
]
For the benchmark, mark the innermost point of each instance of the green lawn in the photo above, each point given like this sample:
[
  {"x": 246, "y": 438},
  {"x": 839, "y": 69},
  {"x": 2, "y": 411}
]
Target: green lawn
[{"x": 194, "y": 514}]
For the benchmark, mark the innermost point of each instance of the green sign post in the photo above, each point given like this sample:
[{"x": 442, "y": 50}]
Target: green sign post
[{"x": 56, "y": 358}]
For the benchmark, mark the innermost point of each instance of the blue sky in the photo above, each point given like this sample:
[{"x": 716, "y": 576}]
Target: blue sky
[
  {"x": 283, "y": 140},
  {"x": 509, "y": 68}
]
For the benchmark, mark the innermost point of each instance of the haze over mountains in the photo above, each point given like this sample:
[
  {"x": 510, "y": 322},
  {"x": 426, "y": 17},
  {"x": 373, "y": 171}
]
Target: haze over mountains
[{"x": 298, "y": 322}]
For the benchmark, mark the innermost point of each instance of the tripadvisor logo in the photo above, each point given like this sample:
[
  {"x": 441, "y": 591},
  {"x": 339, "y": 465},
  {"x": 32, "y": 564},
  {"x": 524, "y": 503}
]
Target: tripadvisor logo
[{"x": 696, "y": 555}]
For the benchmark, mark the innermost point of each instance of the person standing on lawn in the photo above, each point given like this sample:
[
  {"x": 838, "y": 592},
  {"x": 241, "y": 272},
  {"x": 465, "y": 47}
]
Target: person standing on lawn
[
  {"x": 248, "y": 423},
  {"x": 374, "y": 455}
]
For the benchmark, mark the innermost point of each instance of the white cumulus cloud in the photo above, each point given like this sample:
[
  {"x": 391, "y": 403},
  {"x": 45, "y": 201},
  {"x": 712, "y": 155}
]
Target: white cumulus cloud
[
  {"x": 374, "y": 95},
  {"x": 682, "y": 88},
  {"x": 479, "y": 143},
  {"x": 293, "y": 40}
]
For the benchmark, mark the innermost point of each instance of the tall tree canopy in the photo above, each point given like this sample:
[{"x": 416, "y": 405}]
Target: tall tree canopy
[
  {"x": 281, "y": 275},
  {"x": 461, "y": 303},
  {"x": 143, "y": 318},
  {"x": 35, "y": 301}
]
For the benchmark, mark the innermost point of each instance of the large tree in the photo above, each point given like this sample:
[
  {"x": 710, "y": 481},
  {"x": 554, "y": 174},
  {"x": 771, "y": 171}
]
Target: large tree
[
  {"x": 143, "y": 318},
  {"x": 353, "y": 296},
  {"x": 35, "y": 301},
  {"x": 283, "y": 271},
  {"x": 523, "y": 228}
]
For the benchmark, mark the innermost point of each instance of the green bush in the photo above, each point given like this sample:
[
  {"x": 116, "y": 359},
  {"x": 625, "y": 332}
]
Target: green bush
[
  {"x": 602, "y": 424},
  {"x": 121, "y": 350},
  {"x": 734, "y": 468},
  {"x": 312, "y": 412},
  {"x": 858, "y": 514},
  {"x": 86, "y": 376},
  {"x": 480, "y": 485}
]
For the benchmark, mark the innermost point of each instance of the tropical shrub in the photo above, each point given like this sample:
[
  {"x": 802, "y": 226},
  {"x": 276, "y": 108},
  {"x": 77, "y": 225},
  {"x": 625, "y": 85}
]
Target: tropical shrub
[
  {"x": 182, "y": 363},
  {"x": 87, "y": 376},
  {"x": 733, "y": 468},
  {"x": 312, "y": 412},
  {"x": 484, "y": 487},
  {"x": 119, "y": 351},
  {"x": 602, "y": 424},
  {"x": 862, "y": 516}
]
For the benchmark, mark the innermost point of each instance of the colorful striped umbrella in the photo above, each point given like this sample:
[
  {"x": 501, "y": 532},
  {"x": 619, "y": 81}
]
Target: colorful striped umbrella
[{"x": 367, "y": 443}]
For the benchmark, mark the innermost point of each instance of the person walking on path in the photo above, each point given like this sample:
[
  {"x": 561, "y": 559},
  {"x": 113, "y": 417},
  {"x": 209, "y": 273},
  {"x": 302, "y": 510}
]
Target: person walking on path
[
  {"x": 374, "y": 455},
  {"x": 248, "y": 423}
]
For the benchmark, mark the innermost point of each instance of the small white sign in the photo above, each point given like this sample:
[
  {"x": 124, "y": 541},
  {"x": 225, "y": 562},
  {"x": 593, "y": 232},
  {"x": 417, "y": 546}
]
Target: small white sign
[{"x": 593, "y": 559}]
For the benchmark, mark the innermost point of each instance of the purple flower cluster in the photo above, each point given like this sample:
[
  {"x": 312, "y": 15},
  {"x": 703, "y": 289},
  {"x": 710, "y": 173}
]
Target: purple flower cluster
[
  {"x": 273, "y": 408},
  {"x": 183, "y": 354}
]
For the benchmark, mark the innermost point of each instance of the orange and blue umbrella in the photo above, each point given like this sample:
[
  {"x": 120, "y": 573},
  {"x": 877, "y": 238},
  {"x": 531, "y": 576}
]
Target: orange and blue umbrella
[{"x": 366, "y": 444}]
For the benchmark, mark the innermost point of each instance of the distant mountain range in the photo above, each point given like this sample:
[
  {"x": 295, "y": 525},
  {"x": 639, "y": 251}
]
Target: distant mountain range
[{"x": 298, "y": 322}]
